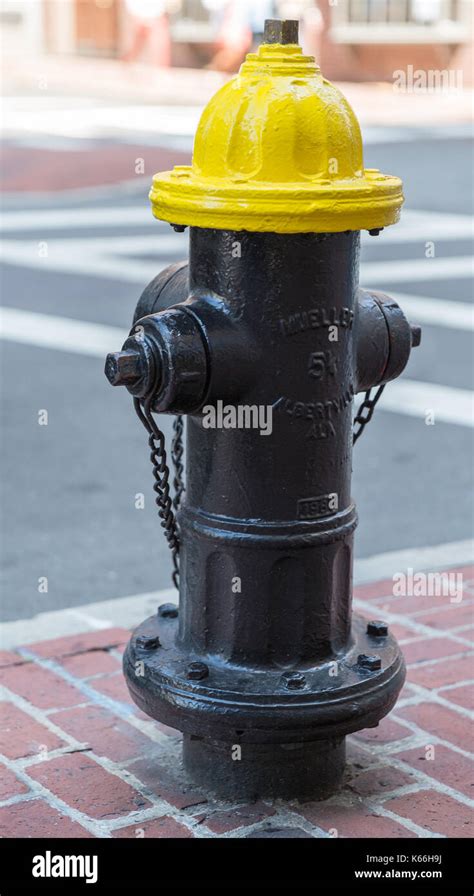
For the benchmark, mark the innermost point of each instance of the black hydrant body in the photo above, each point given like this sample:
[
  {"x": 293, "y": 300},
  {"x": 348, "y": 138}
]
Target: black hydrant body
[{"x": 262, "y": 342}]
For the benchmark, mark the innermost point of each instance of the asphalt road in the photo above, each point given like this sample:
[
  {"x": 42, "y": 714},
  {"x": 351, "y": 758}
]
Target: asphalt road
[{"x": 69, "y": 486}]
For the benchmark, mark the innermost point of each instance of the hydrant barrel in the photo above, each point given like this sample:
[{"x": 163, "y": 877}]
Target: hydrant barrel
[
  {"x": 262, "y": 341},
  {"x": 256, "y": 496}
]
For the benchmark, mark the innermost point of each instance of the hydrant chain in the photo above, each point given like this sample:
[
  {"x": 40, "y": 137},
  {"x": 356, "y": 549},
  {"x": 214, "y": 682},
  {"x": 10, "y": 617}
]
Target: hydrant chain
[
  {"x": 161, "y": 487},
  {"x": 361, "y": 418},
  {"x": 176, "y": 457}
]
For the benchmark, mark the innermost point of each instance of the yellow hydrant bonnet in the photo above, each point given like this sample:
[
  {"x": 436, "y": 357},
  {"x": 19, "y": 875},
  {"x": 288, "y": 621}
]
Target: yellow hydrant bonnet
[{"x": 278, "y": 149}]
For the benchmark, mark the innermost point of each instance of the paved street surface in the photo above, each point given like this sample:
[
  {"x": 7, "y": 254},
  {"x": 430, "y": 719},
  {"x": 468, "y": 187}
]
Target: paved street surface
[{"x": 75, "y": 260}]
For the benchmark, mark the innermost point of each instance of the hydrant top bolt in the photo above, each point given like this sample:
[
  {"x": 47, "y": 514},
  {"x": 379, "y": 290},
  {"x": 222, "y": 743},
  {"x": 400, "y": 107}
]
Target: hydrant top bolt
[
  {"x": 197, "y": 671},
  {"x": 370, "y": 662},
  {"x": 377, "y": 628},
  {"x": 122, "y": 368},
  {"x": 279, "y": 31},
  {"x": 147, "y": 642},
  {"x": 294, "y": 680},
  {"x": 168, "y": 611}
]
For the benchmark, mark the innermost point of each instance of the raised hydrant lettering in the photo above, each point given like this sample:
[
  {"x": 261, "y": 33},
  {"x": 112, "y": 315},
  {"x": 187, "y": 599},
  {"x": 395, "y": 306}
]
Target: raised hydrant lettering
[{"x": 265, "y": 678}]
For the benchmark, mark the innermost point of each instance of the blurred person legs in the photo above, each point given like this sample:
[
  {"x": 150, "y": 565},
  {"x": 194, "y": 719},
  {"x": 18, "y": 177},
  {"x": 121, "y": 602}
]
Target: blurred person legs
[
  {"x": 311, "y": 22},
  {"x": 234, "y": 36},
  {"x": 241, "y": 28},
  {"x": 151, "y": 33}
]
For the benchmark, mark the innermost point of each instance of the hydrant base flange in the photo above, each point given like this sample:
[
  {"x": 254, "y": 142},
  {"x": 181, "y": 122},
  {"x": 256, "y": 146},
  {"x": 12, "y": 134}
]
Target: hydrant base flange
[{"x": 220, "y": 707}]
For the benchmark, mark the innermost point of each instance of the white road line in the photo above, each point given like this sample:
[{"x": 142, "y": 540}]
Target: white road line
[
  {"x": 411, "y": 397},
  {"x": 64, "y": 334},
  {"x": 98, "y": 257},
  {"x": 412, "y": 270},
  {"x": 156, "y": 242},
  {"x": 436, "y": 312},
  {"x": 109, "y": 257},
  {"x": 126, "y": 612},
  {"x": 74, "y": 260},
  {"x": 75, "y": 218},
  {"x": 423, "y": 226},
  {"x": 414, "y": 225},
  {"x": 81, "y": 120},
  {"x": 417, "y": 399}
]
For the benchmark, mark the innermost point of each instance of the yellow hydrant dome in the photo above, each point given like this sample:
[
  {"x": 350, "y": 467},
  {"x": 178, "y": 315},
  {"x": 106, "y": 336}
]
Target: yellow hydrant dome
[{"x": 278, "y": 149}]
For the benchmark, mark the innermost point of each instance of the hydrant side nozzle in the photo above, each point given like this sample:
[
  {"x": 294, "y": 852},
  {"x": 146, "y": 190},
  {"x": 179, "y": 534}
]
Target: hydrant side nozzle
[{"x": 385, "y": 339}]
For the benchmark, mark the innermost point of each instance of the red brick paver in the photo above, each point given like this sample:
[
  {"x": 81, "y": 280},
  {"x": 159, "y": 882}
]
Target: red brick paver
[
  {"x": 115, "y": 776},
  {"x": 444, "y": 765},
  {"x": 385, "y": 732},
  {"x": 21, "y": 736},
  {"x": 10, "y": 785},
  {"x": 159, "y": 827},
  {"x": 107, "y": 735},
  {"x": 40, "y": 686},
  {"x": 85, "y": 643},
  {"x": 434, "y": 811},
  {"x": 88, "y": 787},
  {"x": 36, "y": 818},
  {"x": 448, "y": 724},
  {"x": 463, "y": 696},
  {"x": 353, "y": 821}
]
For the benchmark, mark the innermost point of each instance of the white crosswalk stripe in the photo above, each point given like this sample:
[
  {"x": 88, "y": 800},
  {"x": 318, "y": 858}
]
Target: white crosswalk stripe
[
  {"x": 413, "y": 226},
  {"x": 404, "y": 396},
  {"x": 417, "y": 269},
  {"x": 108, "y": 257}
]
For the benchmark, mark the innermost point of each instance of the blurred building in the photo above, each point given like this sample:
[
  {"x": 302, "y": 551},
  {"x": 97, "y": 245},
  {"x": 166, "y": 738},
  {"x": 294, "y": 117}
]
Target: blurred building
[
  {"x": 353, "y": 39},
  {"x": 370, "y": 39}
]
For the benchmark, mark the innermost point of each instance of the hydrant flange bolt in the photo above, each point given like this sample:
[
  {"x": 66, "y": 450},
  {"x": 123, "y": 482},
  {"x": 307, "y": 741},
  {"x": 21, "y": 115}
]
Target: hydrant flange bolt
[
  {"x": 377, "y": 629},
  {"x": 123, "y": 368},
  {"x": 294, "y": 680},
  {"x": 148, "y": 643},
  {"x": 197, "y": 671},
  {"x": 370, "y": 662},
  {"x": 415, "y": 335},
  {"x": 168, "y": 611}
]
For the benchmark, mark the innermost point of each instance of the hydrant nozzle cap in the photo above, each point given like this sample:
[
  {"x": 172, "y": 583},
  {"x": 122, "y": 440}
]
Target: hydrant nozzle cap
[
  {"x": 278, "y": 149},
  {"x": 123, "y": 368}
]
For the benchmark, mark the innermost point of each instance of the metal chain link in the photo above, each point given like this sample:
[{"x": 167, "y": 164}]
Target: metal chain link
[
  {"x": 177, "y": 459},
  {"x": 365, "y": 412},
  {"x": 161, "y": 473}
]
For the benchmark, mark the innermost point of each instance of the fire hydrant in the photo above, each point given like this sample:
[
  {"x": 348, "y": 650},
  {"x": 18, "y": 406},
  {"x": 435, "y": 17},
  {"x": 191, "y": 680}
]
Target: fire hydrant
[{"x": 262, "y": 341}]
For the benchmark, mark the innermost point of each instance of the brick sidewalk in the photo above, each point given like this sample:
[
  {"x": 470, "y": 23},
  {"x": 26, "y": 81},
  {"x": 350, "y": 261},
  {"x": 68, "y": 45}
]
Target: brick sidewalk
[{"x": 81, "y": 760}]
